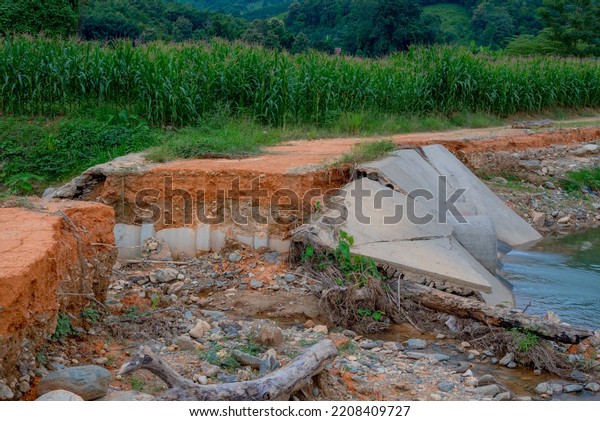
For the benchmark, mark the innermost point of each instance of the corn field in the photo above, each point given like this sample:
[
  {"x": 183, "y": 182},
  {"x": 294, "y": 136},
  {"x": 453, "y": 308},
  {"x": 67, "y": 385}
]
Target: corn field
[{"x": 181, "y": 84}]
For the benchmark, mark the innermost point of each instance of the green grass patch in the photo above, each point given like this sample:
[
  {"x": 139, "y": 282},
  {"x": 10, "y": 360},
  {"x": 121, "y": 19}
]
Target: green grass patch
[
  {"x": 368, "y": 151},
  {"x": 574, "y": 181}
]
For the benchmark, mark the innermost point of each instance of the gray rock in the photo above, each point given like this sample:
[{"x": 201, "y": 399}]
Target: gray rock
[
  {"x": 507, "y": 359},
  {"x": 127, "y": 396},
  {"x": 573, "y": 388},
  {"x": 184, "y": 343},
  {"x": 254, "y": 284},
  {"x": 504, "y": 396},
  {"x": 235, "y": 257},
  {"x": 544, "y": 389},
  {"x": 511, "y": 364},
  {"x": 586, "y": 149},
  {"x": 445, "y": 386},
  {"x": 489, "y": 390},
  {"x": 88, "y": 381},
  {"x": 59, "y": 396},
  {"x": 556, "y": 388},
  {"x": 272, "y": 257},
  {"x": 441, "y": 357},
  {"x": 393, "y": 346},
  {"x": 290, "y": 277},
  {"x": 416, "y": 344},
  {"x": 163, "y": 275},
  {"x": 549, "y": 185},
  {"x": 209, "y": 370},
  {"x": 5, "y": 392},
  {"x": 203, "y": 380},
  {"x": 486, "y": 379},
  {"x": 579, "y": 376},
  {"x": 416, "y": 355},
  {"x": 371, "y": 344},
  {"x": 593, "y": 387}
]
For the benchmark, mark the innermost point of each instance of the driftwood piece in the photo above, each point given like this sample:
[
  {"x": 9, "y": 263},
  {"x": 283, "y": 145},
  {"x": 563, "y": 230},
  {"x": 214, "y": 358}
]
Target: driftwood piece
[
  {"x": 278, "y": 385},
  {"x": 493, "y": 316}
]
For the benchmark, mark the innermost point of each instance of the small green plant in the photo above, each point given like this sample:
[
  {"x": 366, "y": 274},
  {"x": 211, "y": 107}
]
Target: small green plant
[
  {"x": 308, "y": 253},
  {"x": 210, "y": 355},
  {"x": 132, "y": 312},
  {"x": 90, "y": 314},
  {"x": 21, "y": 183},
  {"x": 154, "y": 301},
  {"x": 307, "y": 342},
  {"x": 41, "y": 358},
  {"x": 585, "y": 178},
  {"x": 349, "y": 347},
  {"x": 251, "y": 348},
  {"x": 64, "y": 328},
  {"x": 524, "y": 340},
  {"x": 137, "y": 383},
  {"x": 318, "y": 206},
  {"x": 367, "y": 312}
]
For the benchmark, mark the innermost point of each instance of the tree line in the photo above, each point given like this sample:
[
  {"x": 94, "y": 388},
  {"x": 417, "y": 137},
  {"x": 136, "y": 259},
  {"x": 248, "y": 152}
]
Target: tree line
[{"x": 368, "y": 28}]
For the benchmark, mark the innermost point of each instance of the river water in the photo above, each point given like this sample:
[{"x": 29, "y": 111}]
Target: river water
[{"x": 559, "y": 274}]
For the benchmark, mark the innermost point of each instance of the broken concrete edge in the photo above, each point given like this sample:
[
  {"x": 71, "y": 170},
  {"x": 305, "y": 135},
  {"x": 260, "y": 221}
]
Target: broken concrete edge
[
  {"x": 190, "y": 241},
  {"x": 60, "y": 256}
]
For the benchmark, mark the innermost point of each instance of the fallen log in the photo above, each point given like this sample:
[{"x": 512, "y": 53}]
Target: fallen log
[
  {"x": 278, "y": 385},
  {"x": 492, "y": 316}
]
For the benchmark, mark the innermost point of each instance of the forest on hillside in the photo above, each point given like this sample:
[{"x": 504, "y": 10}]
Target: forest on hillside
[{"x": 369, "y": 28}]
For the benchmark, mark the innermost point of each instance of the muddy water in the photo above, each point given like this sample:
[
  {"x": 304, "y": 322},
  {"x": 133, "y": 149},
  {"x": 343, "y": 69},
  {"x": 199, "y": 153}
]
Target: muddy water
[{"x": 559, "y": 274}]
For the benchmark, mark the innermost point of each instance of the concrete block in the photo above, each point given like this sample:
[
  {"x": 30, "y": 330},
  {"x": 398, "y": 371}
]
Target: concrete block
[
  {"x": 181, "y": 241},
  {"x": 127, "y": 240}
]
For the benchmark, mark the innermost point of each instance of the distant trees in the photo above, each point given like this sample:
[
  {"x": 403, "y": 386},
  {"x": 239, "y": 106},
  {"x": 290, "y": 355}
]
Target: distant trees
[{"x": 53, "y": 17}]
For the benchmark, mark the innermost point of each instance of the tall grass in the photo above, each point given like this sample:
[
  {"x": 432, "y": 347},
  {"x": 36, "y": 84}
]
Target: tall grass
[{"x": 181, "y": 84}]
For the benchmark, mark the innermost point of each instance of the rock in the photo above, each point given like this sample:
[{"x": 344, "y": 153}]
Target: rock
[
  {"x": 254, "y": 284},
  {"x": 235, "y": 257},
  {"x": 272, "y": 257},
  {"x": 209, "y": 370},
  {"x": 163, "y": 275},
  {"x": 471, "y": 382},
  {"x": 593, "y": 387},
  {"x": 309, "y": 324},
  {"x": 507, "y": 359},
  {"x": 99, "y": 361},
  {"x": 393, "y": 346},
  {"x": 467, "y": 373},
  {"x": 489, "y": 390},
  {"x": 59, "y": 396},
  {"x": 538, "y": 219},
  {"x": 290, "y": 277},
  {"x": 24, "y": 387},
  {"x": 416, "y": 344},
  {"x": 504, "y": 396},
  {"x": 500, "y": 180},
  {"x": 445, "y": 386},
  {"x": 586, "y": 149},
  {"x": 322, "y": 329},
  {"x": 441, "y": 357},
  {"x": 549, "y": 185},
  {"x": 487, "y": 379},
  {"x": 349, "y": 333},
  {"x": 371, "y": 344},
  {"x": 573, "y": 388},
  {"x": 88, "y": 381},
  {"x": 579, "y": 376},
  {"x": 203, "y": 380},
  {"x": 200, "y": 329},
  {"x": 270, "y": 335},
  {"x": 544, "y": 389},
  {"x": 5, "y": 392},
  {"x": 184, "y": 343},
  {"x": 465, "y": 345},
  {"x": 564, "y": 219},
  {"x": 126, "y": 396},
  {"x": 556, "y": 388},
  {"x": 511, "y": 364},
  {"x": 551, "y": 317}
]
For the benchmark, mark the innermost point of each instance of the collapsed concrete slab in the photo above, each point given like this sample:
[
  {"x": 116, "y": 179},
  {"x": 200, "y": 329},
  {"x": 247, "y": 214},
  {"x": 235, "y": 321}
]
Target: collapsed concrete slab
[
  {"x": 378, "y": 220},
  {"x": 414, "y": 171},
  {"x": 56, "y": 256}
]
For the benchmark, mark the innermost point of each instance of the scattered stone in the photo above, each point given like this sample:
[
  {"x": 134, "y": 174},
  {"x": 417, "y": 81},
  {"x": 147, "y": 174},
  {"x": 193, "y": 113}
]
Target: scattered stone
[
  {"x": 556, "y": 388},
  {"x": 371, "y": 344},
  {"x": 504, "y": 396},
  {"x": 99, "y": 361},
  {"x": 271, "y": 336},
  {"x": 467, "y": 373},
  {"x": 309, "y": 324},
  {"x": 416, "y": 344},
  {"x": 538, "y": 219},
  {"x": 507, "y": 359},
  {"x": 200, "y": 329},
  {"x": 465, "y": 345},
  {"x": 393, "y": 346},
  {"x": 551, "y": 317},
  {"x": 59, "y": 396},
  {"x": 163, "y": 275},
  {"x": 126, "y": 396},
  {"x": 209, "y": 370},
  {"x": 537, "y": 372},
  {"x": 254, "y": 284},
  {"x": 184, "y": 343},
  {"x": 593, "y": 387},
  {"x": 564, "y": 219},
  {"x": 573, "y": 388},
  {"x": 272, "y": 257},
  {"x": 489, "y": 390},
  {"x": 203, "y": 380},
  {"x": 290, "y": 277},
  {"x": 579, "y": 376},
  {"x": 349, "y": 333},
  {"x": 549, "y": 185},
  {"x": 487, "y": 379},
  {"x": 441, "y": 357},
  {"x": 445, "y": 386},
  {"x": 440, "y": 336},
  {"x": 89, "y": 381},
  {"x": 586, "y": 149},
  {"x": 511, "y": 364},
  {"x": 322, "y": 329},
  {"x": 235, "y": 257}
]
